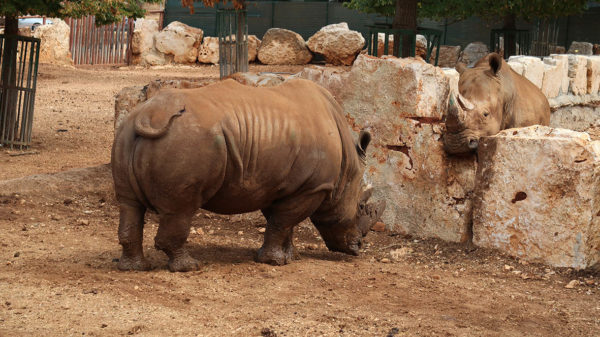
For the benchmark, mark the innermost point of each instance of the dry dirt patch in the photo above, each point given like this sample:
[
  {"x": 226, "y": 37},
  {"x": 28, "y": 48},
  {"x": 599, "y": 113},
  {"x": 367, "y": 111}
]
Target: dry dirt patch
[{"x": 58, "y": 244}]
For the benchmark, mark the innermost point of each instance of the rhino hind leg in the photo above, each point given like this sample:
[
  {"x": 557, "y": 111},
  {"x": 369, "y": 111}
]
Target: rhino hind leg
[
  {"x": 172, "y": 234},
  {"x": 131, "y": 227}
]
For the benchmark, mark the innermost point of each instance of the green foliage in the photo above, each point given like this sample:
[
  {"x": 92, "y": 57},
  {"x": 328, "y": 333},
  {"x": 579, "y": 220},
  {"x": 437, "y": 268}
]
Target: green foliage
[
  {"x": 106, "y": 11},
  {"x": 489, "y": 10}
]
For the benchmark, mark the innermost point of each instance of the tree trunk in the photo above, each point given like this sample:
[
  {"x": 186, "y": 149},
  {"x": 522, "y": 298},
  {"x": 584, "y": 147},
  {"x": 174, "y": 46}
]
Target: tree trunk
[
  {"x": 404, "y": 18},
  {"x": 8, "y": 80},
  {"x": 510, "y": 38}
]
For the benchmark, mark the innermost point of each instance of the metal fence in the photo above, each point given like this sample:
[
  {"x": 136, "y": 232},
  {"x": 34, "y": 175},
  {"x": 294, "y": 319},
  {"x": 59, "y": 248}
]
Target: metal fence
[
  {"x": 19, "y": 57},
  {"x": 109, "y": 44},
  {"x": 233, "y": 41}
]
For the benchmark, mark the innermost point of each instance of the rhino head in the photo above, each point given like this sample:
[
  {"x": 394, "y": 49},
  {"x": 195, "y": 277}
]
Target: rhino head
[
  {"x": 477, "y": 109},
  {"x": 348, "y": 217}
]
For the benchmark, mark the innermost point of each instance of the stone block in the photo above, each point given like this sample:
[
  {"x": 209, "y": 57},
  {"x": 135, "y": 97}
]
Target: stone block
[
  {"x": 453, "y": 77},
  {"x": 473, "y": 52},
  {"x": 575, "y": 117},
  {"x": 577, "y": 74},
  {"x": 331, "y": 78},
  {"x": 282, "y": 46},
  {"x": 518, "y": 67},
  {"x": 593, "y": 74},
  {"x": 533, "y": 68},
  {"x": 180, "y": 42},
  {"x": 54, "y": 45},
  {"x": 395, "y": 87},
  {"x": 448, "y": 56},
  {"x": 537, "y": 196},
  {"x": 209, "y": 50},
  {"x": 555, "y": 70}
]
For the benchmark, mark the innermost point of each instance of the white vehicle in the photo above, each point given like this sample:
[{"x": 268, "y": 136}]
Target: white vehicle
[{"x": 33, "y": 23}]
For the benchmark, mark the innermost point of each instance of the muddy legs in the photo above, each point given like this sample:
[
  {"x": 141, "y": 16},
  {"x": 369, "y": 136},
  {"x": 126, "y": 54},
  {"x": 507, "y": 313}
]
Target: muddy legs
[
  {"x": 278, "y": 247},
  {"x": 131, "y": 226},
  {"x": 171, "y": 237}
]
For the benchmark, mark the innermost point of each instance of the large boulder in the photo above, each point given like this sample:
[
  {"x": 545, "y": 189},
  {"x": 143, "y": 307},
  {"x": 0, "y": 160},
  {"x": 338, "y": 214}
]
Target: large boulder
[
  {"x": 142, "y": 44},
  {"x": 473, "y": 52},
  {"x": 578, "y": 74},
  {"x": 581, "y": 48},
  {"x": 209, "y": 50},
  {"x": 180, "y": 42},
  {"x": 537, "y": 196},
  {"x": 337, "y": 43},
  {"x": 448, "y": 56},
  {"x": 331, "y": 78},
  {"x": 556, "y": 70},
  {"x": 54, "y": 47},
  {"x": 282, "y": 46},
  {"x": 421, "y": 46}
]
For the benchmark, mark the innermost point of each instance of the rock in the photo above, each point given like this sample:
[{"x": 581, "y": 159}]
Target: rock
[
  {"x": 593, "y": 74},
  {"x": 400, "y": 87},
  {"x": 126, "y": 100},
  {"x": 518, "y": 67},
  {"x": 399, "y": 253},
  {"x": 262, "y": 229},
  {"x": 572, "y": 284},
  {"x": 581, "y": 48},
  {"x": 282, "y": 46},
  {"x": 533, "y": 68},
  {"x": 421, "y": 46},
  {"x": 253, "y": 45},
  {"x": 385, "y": 260},
  {"x": 596, "y": 49},
  {"x": 378, "y": 227},
  {"x": 473, "y": 52},
  {"x": 258, "y": 79},
  {"x": 560, "y": 50},
  {"x": 577, "y": 74},
  {"x": 381, "y": 44},
  {"x": 563, "y": 60},
  {"x": 448, "y": 57},
  {"x": 453, "y": 77},
  {"x": 142, "y": 44},
  {"x": 181, "y": 41},
  {"x": 575, "y": 117},
  {"x": 338, "y": 44},
  {"x": 555, "y": 71},
  {"x": 537, "y": 196},
  {"x": 54, "y": 47},
  {"x": 332, "y": 79},
  {"x": 209, "y": 50}
]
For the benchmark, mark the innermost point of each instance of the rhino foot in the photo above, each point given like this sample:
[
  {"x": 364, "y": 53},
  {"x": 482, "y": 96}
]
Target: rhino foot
[
  {"x": 183, "y": 263},
  {"x": 275, "y": 257},
  {"x": 128, "y": 263}
]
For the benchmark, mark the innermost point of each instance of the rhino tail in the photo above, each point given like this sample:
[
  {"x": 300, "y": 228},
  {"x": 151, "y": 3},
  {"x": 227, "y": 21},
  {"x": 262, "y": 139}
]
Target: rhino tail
[{"x": 156, "y": 116}]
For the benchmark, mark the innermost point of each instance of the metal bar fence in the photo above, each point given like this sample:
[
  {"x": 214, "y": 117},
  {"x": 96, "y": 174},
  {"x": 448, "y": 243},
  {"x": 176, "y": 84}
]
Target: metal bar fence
[
  {"x": 232, "y": 30},
  {"x": 108, "y": 44},
  {"x": 17, "y": 89}
]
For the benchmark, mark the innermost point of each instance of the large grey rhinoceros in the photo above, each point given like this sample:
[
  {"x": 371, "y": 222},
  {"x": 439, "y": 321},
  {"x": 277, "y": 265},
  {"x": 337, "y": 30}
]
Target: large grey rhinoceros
[
  {"x": 491, "y": 97},
  {"x": 229, "y": 148}
]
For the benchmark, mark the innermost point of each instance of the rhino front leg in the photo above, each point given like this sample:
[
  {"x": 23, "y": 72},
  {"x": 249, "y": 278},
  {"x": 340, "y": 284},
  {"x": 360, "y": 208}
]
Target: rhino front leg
[
  {"x": 173, "y": 232},
  {"x": 131, "y": 228}
]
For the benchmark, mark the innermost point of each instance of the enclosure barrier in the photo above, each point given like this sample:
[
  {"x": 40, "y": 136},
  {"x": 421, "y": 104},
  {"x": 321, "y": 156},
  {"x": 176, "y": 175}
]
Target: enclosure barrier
[
  {"x": 19, "y": 56},
  {"x": 503, "y": 41},
  {"x": 433, "y": 37},
  {"x": 108, "y": 44},
  {"x": 232, "y": 31}
]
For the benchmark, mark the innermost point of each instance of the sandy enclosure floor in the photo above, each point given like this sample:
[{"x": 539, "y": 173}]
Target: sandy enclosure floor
[{"x": 58, "y": 253}]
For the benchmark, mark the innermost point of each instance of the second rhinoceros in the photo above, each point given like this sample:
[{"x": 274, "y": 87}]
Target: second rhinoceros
[
  {"x": 491, "y": 97},
  {"x": 230, "y": 148}
]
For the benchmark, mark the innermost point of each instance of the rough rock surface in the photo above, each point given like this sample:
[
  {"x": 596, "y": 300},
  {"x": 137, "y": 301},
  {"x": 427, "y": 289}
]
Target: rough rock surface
[
  {"x": 473, "y": 52},
  {"x": 181, "y": 41},
  {"x": 581, "y": 48},
  {"x": 209, "y": 50},
  {"x": 332, "y": 79},
  {"x": 578, "y": 74},
  {"x": 448, "y": 56},
  {"x": 533, "y": 68},
  {"x": 401, "y": 87},
  {"x": 338, "y": 44},
  {"x": 421, "y": 46},
  {"x": 596, "y": 49},
  {"x": 537, "y": 196},
  {"x": 576, "y": 117},
  {"x": 453, "y": 77},
  {"x": 54, "y": 47},
  {"x": 282, "y": 46},
  {"x": 142, "y": 43}
]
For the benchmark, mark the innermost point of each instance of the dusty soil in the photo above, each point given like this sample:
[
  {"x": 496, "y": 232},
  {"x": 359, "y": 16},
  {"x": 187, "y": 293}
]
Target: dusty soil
[{"x": 59, "y": 250}]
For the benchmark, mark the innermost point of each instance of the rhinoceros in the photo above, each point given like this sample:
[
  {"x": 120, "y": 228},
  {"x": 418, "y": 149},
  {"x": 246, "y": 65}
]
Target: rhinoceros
[
  {"x": 229, "y": 148},
  {"x": 491, "y": 97}
]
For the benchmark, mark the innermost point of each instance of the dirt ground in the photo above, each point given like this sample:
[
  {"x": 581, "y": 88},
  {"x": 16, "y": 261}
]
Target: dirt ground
[{"x": 59, "y": 248}]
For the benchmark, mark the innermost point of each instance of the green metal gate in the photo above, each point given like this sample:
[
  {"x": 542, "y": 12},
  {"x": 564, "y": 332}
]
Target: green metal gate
[{"x": 19, "y": 56}]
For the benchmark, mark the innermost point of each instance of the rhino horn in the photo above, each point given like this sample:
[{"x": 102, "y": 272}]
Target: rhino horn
[
  {"x": 366, "y": 194},
  {"x": 464, "y": 103},
  {"x": 454, "y": 120}
]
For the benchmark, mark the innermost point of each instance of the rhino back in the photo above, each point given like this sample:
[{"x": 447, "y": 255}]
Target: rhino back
[{"x": 236, "y": 148}]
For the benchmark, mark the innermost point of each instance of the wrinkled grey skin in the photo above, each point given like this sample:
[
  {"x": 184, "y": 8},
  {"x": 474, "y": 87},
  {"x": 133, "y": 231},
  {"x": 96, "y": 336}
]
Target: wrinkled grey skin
[
  {"x": 230, "y": 148},
  {"x": 492, "y": 97}
]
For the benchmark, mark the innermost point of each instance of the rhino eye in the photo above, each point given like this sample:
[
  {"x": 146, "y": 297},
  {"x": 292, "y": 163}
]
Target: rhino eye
[{"x": 486, "y": 113}]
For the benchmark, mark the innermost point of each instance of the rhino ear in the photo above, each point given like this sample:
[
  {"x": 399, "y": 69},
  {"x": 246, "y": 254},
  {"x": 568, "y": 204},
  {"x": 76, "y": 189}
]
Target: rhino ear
[
  {"x": 495, "y": 62},
  {"x": 460, "y": 67},
  {"x": 364, "y": 138}
]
